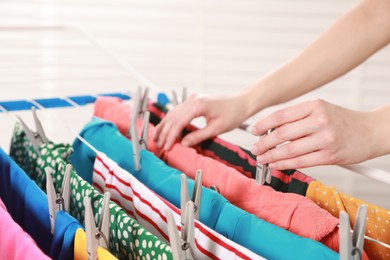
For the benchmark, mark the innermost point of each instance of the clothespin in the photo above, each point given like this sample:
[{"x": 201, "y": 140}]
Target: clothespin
[
  {"x": 144, "y": 102},
  {"x": 263, "y": 172},
  {"x": 138, "y": 143},
  {"x": 196, "y": 192},
  {"x": 38, "y": 137},
  {"x": 175, "y": 100},
  {"x": 351, "y": 246},
  {"x": 57, "y": 200},
  {"x": 183, "y": 245},
  {"x": 97, "y": 236}
]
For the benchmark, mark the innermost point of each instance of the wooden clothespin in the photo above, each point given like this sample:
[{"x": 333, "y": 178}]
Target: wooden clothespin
[
  {"x": 37, "y": 137},
  {"x": 57, "y": 200},
  {"x": 351, "y": 246},
  {"x": 100, "y": 235}
]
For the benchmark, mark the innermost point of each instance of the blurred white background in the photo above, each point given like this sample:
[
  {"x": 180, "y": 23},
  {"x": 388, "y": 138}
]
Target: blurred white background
[{"x": 210, "y": 46}]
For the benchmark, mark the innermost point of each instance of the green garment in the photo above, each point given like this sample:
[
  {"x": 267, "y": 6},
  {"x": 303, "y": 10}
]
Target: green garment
[{"x": 128, "y": 240}]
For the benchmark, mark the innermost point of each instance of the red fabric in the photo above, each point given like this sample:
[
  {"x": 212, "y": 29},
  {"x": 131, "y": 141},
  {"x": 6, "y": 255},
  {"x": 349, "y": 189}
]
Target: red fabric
[
  {"x": 290, "y": 211},
  {"x": 237, "y": 150}
]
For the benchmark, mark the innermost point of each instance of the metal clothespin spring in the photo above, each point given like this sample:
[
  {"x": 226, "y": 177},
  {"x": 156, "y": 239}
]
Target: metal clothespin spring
[
  {"x": 60, "y": 201},
  {"x": 99, "y": 235}
]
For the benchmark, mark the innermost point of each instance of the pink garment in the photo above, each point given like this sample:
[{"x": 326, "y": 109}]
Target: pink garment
[
  {"x": 290, "y": 211},
  {"x": 15, "y": 243}
]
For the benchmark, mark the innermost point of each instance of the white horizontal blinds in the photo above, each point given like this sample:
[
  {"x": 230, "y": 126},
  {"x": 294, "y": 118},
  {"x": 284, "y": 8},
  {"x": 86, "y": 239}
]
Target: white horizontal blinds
[
  {"x": 159, "y": 38},
  {"x": 246, "y": 39},
  {"x": 376, "y": 80},
  {"x": 54, "y": 62}
]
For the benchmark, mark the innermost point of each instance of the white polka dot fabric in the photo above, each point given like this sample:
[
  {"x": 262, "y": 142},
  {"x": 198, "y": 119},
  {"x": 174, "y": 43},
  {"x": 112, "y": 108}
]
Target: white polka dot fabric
[
  {"x": 128, "y": 239},
  {"x": 149, "y": 210}
]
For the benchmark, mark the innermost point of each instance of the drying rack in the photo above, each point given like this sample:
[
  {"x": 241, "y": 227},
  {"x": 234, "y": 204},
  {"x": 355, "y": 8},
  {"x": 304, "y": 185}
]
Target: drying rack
[
  {"x": 63, "y": 101},
  {"x": 77, "y": 102}
]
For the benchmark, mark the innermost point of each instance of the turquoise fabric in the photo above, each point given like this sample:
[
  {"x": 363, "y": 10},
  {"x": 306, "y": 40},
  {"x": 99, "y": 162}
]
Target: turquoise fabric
[
  {"x": 216, "y": 212},
  {"x": 27, "y": 204}
]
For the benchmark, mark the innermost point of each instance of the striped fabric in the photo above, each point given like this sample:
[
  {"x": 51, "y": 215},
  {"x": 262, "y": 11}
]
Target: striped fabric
[
  {"x": 288, "y": 211},
  {"x": 216, "y": 212},
  {"x": 149, "y": 210},
  {"x": 239, "y": 158}
]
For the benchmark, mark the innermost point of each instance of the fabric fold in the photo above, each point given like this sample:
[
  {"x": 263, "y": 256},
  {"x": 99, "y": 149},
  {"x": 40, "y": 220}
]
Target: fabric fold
[
  {"x": 289, "y": 211},
  {"x": 216, "y": 212}
]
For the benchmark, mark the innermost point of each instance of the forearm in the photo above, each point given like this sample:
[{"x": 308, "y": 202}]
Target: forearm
[
  {"x": 351, "y": 40},
  {"x": 379, "y": 123}
]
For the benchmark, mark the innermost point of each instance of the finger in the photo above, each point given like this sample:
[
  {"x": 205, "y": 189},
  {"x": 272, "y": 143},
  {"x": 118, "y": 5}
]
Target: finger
[
  {"x": 303, "y": 161},
  {"x": 281, "y": 117},
  {"x": 200, "y": 135},
  {"x": 284, "y": 133},
  {"x": 175, "y": 125},
  {"x": 292, "y": 149}
]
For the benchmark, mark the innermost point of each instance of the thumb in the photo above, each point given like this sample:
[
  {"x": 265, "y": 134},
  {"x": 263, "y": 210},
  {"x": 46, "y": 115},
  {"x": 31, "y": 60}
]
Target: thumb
[{"x": 200, "y": 135}]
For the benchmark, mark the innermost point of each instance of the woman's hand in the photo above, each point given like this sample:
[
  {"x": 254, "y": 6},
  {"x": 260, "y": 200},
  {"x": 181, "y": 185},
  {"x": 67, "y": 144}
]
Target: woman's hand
[
  {"x": 315, "y": 133},
  {"x": 222, "y": 114}
]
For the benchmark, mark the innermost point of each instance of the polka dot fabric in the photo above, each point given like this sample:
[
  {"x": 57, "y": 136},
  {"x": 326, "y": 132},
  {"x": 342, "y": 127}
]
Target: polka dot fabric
[
  {"x": 128, "y": 240},
  {"x": 378, "y": 226}
]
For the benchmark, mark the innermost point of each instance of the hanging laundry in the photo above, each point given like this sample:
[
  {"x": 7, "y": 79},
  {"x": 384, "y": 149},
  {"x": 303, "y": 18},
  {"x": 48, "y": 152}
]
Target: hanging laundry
[
  {"x": 289, "y": 211},
  {"x": 377, "y": 226},
  {"x": 216, "y": 212},
  {"x": 127, "y": 238},
  {"x": 242, "y": 160},
  {"x": 28, "y": 206},
  {"x": 80, "y": 248},
  {"x": 14, "y": 241},
  {"x": 150, "y": 209}
]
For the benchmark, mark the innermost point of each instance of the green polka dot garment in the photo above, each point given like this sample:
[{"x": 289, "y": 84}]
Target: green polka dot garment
[
  {"x": 128, "y": 240},
  {"x": 28, "y": 159}
]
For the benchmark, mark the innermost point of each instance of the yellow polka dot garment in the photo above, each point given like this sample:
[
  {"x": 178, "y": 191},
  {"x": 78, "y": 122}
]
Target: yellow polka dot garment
[
  {"x": 378, "y": 226},
  {"x": 128, "y": 239}
]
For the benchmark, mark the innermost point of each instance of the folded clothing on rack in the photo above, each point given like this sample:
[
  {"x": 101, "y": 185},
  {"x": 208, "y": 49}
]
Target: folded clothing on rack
[
  {"x": 127, "y": 238},
  {"x": 377, "y": 225},
  {"x": 289, "y": 211},
  {"x": 216, "y": 212},
  {"x": 15, "y": 242},
  {"x": 242, "y": 160},
  {"x": 296, "y": 182},
  {"x": 150, "y": 211},
  {"x": 28, "y": 206}
]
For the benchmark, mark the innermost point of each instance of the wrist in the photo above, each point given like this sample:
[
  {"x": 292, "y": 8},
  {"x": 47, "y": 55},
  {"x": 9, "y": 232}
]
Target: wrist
[
  {"x": 252, "y": 100},
  {"x": 379, "y": 123}
]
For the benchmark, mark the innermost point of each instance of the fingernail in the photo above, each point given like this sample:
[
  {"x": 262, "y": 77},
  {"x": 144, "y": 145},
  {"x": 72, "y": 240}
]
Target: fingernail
[
  {"x": 185, "y": 142},
  {"x": 158, "y": 144},
  {"x": 254, "y": 130},
  {"x": 261, "y": 159},
  {"x": 166, "y": 147},
  {"x": 254, "y": 149},
  {"x": 271, "y": 165}
]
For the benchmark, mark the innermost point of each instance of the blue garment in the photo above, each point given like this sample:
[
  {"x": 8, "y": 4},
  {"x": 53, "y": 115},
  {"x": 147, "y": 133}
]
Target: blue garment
[
  {"x": 28, "y": 206},
  {"x": 216, "y": 212}
]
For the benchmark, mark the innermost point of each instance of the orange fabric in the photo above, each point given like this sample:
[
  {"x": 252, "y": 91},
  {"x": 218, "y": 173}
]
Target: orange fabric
[
  {"x": 378, "y": 226},
  {"x": 292, "y": 212},
  {"x": 80, "y": 248}
]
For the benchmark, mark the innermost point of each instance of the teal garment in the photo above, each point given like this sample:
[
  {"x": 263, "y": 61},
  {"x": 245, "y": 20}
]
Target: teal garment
[
  {"x": 28, "y": 206},
  {"x": 216, "y": 212}
]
